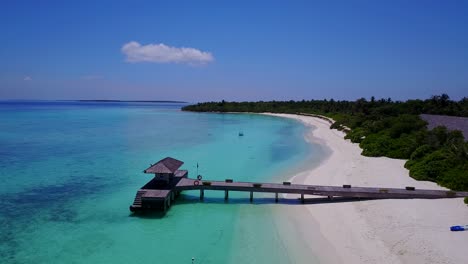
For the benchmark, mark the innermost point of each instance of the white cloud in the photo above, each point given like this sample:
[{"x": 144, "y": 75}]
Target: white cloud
[
  {"x": 161, "y": 53},
  {"x": 27, "y": 78}
]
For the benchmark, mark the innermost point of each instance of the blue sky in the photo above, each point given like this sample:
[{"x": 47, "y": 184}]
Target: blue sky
[{"x": 236, "y": 50}]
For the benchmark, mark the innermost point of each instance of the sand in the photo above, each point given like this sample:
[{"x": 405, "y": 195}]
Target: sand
[{"x": 373, "y": 231}]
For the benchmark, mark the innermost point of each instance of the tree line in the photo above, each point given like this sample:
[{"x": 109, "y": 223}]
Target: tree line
[{"x": 387, "y": 128}]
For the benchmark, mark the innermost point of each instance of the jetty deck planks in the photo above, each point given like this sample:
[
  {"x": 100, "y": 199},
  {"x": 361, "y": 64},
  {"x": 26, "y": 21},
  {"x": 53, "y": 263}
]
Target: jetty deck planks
[
  {"x": 164, "y": 196},
  {"x": 320, "y": 190}
]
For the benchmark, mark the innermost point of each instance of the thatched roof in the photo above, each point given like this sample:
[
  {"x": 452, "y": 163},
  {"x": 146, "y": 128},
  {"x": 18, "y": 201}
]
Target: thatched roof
[{"x": 167, "y": 165}]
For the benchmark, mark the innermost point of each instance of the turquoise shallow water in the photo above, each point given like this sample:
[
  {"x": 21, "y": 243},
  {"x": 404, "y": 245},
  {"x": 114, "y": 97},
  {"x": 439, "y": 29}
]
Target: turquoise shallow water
[{"x": 70, "y": 170}]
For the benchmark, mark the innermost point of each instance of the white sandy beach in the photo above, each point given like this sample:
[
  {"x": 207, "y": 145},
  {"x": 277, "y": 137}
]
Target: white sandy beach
[{"x": 375, "y": 231}]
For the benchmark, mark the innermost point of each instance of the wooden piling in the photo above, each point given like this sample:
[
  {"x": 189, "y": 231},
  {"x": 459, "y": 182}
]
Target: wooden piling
[
  {"x": 302, "y": 198},
  {"x": 202, "y": 194},
  {"x": 251, "y": 196},
  {"x": 276, "y": 197},
  {"x": 226, "y": 195}
]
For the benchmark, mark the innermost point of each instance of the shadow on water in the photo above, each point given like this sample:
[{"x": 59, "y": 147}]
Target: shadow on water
[
  {"x": 192, "y": 199},
  {"x": 149, "y": 214}
]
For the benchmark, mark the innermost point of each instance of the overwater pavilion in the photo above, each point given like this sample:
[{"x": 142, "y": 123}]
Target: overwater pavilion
[
  {"x": 164, "y": 170},
  {"x": 159, "y": 192}
]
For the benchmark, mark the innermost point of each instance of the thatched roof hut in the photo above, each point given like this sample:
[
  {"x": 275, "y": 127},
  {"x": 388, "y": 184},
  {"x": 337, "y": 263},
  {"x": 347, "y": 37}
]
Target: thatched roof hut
[{"x": 166, "y": 165}]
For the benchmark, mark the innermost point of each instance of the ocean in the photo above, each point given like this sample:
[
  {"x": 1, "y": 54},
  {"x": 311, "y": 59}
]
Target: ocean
[{"x": 69, "y": 171}]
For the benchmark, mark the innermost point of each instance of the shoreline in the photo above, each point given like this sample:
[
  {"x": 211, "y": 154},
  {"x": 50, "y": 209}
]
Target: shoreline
[{"x": 373, "y": 231}]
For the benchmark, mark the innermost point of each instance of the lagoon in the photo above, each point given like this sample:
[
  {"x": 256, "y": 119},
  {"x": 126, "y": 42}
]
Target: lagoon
[{"x": 69, "y": 171}]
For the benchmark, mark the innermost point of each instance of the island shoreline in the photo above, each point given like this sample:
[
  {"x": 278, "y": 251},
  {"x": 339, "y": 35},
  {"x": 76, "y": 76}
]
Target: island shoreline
[{"x": 374, "y": 231}]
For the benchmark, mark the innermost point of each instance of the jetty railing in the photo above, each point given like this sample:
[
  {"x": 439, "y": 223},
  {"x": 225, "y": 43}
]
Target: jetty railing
[{"x": 185, "y": 184}]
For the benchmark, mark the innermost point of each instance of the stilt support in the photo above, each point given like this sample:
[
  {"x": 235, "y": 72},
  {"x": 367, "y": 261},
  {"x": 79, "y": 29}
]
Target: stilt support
[
  {"x": 202, "y": 194},
  {"x": 251, "y": 196},
  {"x": 330, "y": 197},
  {"x": 276, "y": 197},
  {"x": 226, "y": 195},
  {"x": 302, "y": 198}
]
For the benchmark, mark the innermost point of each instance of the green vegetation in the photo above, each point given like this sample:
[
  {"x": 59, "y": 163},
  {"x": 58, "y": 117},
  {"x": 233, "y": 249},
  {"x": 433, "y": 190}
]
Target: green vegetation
[
  {"x": 385, "y": 128},
  {"x": 466, "y": 200}
]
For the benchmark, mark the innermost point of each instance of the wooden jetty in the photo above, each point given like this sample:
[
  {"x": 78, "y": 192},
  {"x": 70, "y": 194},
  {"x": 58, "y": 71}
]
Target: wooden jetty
[{"x": 169, "y": 181}]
